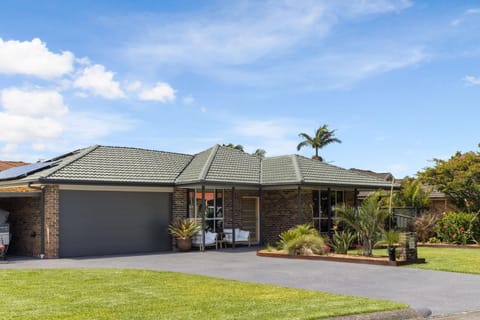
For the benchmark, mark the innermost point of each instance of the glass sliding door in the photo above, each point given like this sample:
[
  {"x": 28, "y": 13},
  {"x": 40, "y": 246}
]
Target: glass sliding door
[
  {"x": 214, "y": 208},
  {"x": 320, "y": 208}
]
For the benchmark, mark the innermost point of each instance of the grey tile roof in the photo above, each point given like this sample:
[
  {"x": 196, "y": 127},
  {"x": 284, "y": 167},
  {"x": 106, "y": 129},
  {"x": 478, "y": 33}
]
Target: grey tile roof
[
  {"x": 196, "y": 170},
  {"x": 280, "y": 170},
  {"x": 221, "y": 164},
  {"x": 234, "y": 166},
  {"x": 317, "y": 172},
  {"x": 116, "y": 165},
  {"x": 217, "y": 165},
  {"x": 123, "y": 165},
  {"x": 295, "y": 169}
]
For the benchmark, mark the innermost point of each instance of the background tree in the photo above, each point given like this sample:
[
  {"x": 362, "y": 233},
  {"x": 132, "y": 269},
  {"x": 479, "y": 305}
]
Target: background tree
[
  {"x": 234, "y": 146},
  {"x": 260, "y": 153},
  {"x": 411, "y": 194},
  {"x": 458, "y": 178},
  {"x": 322, "y": 137}
]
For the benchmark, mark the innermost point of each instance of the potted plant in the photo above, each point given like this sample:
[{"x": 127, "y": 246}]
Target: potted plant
[
  {"x": 391, "y": 238},
  {"x": 183, "y": 230}
]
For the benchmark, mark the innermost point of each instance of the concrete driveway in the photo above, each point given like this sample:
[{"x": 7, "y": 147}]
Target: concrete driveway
[{"x": 441, "y": 292}]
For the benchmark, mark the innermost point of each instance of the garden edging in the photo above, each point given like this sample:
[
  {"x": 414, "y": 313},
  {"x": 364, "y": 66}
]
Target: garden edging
[{"x": 338, "y": 258}]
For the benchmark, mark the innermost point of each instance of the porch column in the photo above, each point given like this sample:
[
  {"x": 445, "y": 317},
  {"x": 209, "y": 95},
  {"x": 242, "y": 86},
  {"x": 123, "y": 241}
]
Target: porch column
[
  {"x": 299, "y": 205},
  {"x": 233, "y": 216},
  {"x": 355, "y": 198},
  {"x": 329, "y": 211},
  {"x": 260, "y": 214},
  {"x": 204, "y": 208}
]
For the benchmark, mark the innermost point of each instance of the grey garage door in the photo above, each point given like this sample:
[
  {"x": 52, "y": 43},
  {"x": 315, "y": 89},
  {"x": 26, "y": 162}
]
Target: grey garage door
[{"x": 107, "y": 222}]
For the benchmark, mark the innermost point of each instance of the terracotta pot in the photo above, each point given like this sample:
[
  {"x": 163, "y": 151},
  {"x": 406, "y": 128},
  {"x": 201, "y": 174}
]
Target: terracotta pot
[{"x": 184, "y": 244}]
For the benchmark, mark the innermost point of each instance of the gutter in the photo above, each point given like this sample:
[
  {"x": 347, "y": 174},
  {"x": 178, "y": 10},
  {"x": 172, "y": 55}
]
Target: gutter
[{"x": 42, "y": 217}]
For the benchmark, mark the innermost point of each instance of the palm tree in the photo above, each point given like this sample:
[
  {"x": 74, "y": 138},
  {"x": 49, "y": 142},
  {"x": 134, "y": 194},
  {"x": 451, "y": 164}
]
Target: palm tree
[
  {"x": 368, "y": 220},
  {"x": 322, "y": 137}
]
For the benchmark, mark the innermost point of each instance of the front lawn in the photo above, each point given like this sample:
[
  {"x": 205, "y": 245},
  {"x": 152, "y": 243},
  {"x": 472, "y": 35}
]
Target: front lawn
[
  {"x": 449, "y": 259},
  {"x": 141, "y": 294}
]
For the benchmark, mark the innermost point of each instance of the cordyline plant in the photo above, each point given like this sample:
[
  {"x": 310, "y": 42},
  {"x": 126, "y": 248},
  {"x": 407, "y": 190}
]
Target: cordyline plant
[
  {"x": 184, "y": 228},
  {"x": 367, "y": 220}
]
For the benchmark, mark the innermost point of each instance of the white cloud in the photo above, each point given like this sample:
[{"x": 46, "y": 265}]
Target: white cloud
[
  {"x": 471, "y": 80},
  {"x": 473, "y": 11},
  {"x": 32, "y": 103},
  {"x": 334, "y": 70},
  {"x": 87, "y": 127},
  {"x": 19, "y": 128},
  {"x": 34, "y": 59},
  {"x": 98, "y": 81},
  {"x": 39, "y": 147},
  {"x": 456, "y": 22},
  {"x": 188, "y": 100},
  {"x": 133, "y": 86},
  {"x": 276, "y": 136},
  {"x": 249, "y": 32},
  {"x": 263, "y": 128},
  {"x": 9, "y": 148},
  {"x": 161, "y": 92}
]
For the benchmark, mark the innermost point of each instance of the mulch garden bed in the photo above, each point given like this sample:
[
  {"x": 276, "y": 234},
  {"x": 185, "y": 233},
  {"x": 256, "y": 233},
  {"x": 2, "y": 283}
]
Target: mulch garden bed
[{"x": 375, "y": 260}]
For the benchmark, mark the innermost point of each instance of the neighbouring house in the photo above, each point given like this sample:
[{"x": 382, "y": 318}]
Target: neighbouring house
[
  {"x": 4, "y": 165},
  {"x": 113, "y": 200},
  {"x": 438, "y": 200}
]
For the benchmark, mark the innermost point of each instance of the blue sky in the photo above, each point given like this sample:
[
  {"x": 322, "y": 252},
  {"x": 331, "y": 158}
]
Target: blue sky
[{"x": 398, "y": 80}]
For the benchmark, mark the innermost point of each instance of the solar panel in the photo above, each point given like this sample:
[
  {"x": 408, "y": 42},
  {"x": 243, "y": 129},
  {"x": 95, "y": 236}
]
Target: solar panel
[{"x": 25, "y": 170}]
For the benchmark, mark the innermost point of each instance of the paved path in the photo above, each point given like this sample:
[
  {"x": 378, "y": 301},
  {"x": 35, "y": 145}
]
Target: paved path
[{"x": 441, "y": 292}]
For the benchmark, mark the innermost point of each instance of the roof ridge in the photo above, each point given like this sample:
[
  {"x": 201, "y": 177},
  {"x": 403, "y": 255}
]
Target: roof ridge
[
  {"x": 145, "y": 149},
  {"x": 296, "y": 167},
  {"x": 261, "y": 170},
  {"x": 208, "y": 163},
  {"x": 82, "y": 153}
]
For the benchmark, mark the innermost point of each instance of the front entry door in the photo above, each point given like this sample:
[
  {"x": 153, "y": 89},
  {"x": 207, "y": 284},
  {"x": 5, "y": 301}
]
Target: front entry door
[{"x": 249, "y": 215}]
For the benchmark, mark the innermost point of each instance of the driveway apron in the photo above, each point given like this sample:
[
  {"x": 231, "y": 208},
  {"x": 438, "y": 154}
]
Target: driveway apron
[{"x": 441, "y": 292}]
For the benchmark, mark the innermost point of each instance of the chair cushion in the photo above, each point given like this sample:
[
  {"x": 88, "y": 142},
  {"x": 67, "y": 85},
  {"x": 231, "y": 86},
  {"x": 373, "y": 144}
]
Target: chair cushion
[
  {"x": 210, "y": 237},
  {"x": 243, "y": 235}
]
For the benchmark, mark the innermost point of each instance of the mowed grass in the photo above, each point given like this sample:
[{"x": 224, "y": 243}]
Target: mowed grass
[
  {"x": 449, "y": 259},
  {"x": 141, "y": 294},
  {"x": 443, "y": 259}
]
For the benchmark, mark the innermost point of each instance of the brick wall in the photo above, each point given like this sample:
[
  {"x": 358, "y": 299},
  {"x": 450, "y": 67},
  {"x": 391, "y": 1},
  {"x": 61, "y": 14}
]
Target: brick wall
[
  {"x": 179, "y": 208},
  {"x": 25, "y": 225},
  {"x": 280, "y": 212},
  {"x": 52, "y": 226}
]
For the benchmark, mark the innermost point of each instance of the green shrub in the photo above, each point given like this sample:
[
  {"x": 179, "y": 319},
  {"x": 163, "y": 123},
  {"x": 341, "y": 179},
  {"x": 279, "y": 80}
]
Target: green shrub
[
  {"x": 295, "y": 233},
  {"x": 342, "y": 241},
  {"x": 458, "y": 227},
  {"x": 389, "y": 238},
  {"x": 269, "y": 248},
  {"x": 305, "y": 245},
  {"x": 434, "y": 240}
]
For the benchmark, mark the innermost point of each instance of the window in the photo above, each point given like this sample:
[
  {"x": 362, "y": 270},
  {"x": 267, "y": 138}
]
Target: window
[
  {"x": 320, "y": 208},
  {"x": 214, "y": 208}
]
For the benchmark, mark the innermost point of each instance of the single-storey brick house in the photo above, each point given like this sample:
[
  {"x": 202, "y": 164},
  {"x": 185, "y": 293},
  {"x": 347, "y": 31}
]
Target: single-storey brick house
[{"x": 113, "y": 200}]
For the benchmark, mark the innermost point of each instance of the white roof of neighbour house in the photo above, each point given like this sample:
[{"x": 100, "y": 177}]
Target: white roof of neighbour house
[{"x": 218, "y": 165}]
